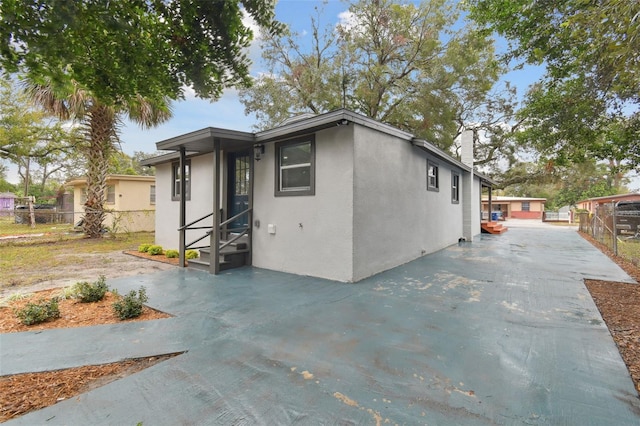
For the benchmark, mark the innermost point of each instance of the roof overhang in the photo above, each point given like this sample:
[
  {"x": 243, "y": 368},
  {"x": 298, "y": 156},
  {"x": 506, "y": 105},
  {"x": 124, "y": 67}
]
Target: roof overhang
[
  {"x": 202, "y": 141},
  {"x": 341, "y": 117}
]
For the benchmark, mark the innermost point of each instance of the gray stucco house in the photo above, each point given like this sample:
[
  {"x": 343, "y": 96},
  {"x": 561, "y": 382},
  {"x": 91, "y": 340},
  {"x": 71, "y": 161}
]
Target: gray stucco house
[{"x": 336, "y": 195}]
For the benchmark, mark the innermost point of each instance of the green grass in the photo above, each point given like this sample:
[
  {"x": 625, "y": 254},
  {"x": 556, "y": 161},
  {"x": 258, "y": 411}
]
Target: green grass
[
  {"x": 32, "y": 260},
  {"x": 9, "y": 227},
  {"x": 630, "y": 250}
]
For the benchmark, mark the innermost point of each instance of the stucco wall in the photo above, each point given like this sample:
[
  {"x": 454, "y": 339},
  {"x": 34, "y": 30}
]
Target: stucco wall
[
  {"x": 477, "y": 207},
  {"x": 200, "y": 204},
  {"x": 535, "y": 210},
  {"x": 396, "y": 219},
  {"x": 313, "y": 233},
  {"x": 131, "y": 209}
]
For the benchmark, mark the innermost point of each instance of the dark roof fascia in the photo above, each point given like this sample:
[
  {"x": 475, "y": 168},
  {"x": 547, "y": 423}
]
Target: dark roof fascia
[
  {"x": 325, "y": 121},
  {"x": 293, "y": 129},
  {"x": 438, "y": 153},
  {"x": 202, "y": 137},
  {"x": 165, "y": 158},
  {"x": 610, "y": 197}
]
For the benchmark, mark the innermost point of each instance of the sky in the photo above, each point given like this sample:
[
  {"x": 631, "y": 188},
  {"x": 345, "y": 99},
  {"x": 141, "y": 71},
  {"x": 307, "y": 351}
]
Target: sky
[{"x": 194, "y": 114}]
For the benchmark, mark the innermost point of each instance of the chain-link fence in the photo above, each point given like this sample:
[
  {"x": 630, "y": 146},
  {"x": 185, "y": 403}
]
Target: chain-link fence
[
  {"x": 617, "y": 226},
  {"x": 41, "y": 214},
  {"x": 130, "y": 221},
  {"x": 45, "y": 217}
]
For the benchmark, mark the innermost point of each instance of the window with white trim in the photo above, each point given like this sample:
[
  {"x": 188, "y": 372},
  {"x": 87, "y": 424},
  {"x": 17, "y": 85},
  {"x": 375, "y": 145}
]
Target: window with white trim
[
  {"x": 295, "y": 168},
  {"x": 152, "y": 194},
  {"x": 176, "y": 179},
  {"x": 433, "y": 178},
  {"x": 526, "y": 206},
  {"x": 111, "y": 194},
  {"x": 455, "y": 188}
]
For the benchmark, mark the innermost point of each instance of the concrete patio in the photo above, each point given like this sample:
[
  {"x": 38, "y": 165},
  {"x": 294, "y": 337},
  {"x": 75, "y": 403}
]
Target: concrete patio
[{"x": 498, "y": 331}]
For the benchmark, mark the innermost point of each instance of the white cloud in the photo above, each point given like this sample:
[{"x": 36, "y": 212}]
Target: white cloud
[{"x": 347, "y": 20}]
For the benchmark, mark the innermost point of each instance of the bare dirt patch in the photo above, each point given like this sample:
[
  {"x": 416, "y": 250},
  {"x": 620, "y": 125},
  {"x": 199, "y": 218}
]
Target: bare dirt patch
[
  {"x": 85, "y": 267},
  {"x": 22, "y": 393}
]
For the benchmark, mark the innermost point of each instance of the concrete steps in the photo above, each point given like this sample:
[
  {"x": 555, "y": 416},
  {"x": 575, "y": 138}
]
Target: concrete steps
[{"x": 232, "y": 256}]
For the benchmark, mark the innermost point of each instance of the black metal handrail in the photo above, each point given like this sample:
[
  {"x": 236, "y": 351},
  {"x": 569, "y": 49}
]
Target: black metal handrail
[
  {"x": 238, "y": 232},
  {"x": 188, "y": 225}
]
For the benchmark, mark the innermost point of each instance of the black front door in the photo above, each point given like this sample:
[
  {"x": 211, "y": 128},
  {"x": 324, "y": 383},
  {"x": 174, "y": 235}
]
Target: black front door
[{"x": 238, "y": 188}]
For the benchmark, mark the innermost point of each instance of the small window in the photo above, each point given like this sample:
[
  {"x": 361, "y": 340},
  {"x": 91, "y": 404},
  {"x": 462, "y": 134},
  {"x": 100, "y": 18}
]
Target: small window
[
  {"x": 176, "y": 179},
  {"x": 152, "y": 194},
  {"x": 433, "y": 179},
  {"x": 111, "y": 194},
  {"x": 295, "y": 171},
  {"x": 455, "y": 188},
  {"x": 526, "y": 206}
]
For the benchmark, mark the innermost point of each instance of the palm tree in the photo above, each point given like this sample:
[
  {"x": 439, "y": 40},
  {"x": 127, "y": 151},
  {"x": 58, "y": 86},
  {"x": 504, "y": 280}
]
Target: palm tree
[{"x": 100, "y": 123}]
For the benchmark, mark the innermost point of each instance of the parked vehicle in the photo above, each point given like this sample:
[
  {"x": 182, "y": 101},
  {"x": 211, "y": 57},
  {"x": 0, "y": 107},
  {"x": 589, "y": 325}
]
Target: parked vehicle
[
  {"x": 628, "y": 218},
  {"x": 44, "y": 213}
]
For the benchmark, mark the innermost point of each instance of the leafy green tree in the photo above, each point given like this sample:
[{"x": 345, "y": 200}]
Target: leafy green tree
[
  {"x": 561, "y": 185},
  {"x": 29, "y": 139},
  {"x": 596, "y": 39},
  {"x": 592, "y": 81},
  {"x": 5, "y": 186},
  {"x": 94, "y": 62},
  {"x": 392, "y": 61},
  {"x": 121, "y": 163}
]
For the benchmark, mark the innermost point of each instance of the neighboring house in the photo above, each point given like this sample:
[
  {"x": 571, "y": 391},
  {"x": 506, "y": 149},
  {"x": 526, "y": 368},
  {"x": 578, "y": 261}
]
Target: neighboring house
[
  {"x": 7, "y": 203},
  {"x": 514, "y": 207},
  {"x": 591, "y": 204},
  {"x": 130, "y": 202},
  {"x": 337, "y": 195}
]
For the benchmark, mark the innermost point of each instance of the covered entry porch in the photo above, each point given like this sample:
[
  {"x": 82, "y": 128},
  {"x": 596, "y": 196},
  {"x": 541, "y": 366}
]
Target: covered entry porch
[{"x": 223, "y": 233}]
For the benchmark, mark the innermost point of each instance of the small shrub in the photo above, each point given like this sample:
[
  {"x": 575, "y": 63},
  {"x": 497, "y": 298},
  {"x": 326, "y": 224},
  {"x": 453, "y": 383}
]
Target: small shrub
[
  {"x": 172, "y": 254},
  {"x": 154, "y": 250},
  {"x": 35, "y": 313},
  {"x": 143, "y": 248},
  {"x": 192, "y": 254},
  {"x": 130, "y": 305},
  {"x": 90, "y": 292}
]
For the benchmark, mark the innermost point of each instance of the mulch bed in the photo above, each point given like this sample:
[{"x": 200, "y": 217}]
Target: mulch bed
[
  {"x": 157, "y": 257},
  {"x": 619, "y": 305},
  {"x": 72, "y": 313},
  {"x": 22, "y": 393}
]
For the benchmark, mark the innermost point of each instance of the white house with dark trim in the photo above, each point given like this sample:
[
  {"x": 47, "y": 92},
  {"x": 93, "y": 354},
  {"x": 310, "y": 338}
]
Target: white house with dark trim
[{"x": 336, "y": 195}]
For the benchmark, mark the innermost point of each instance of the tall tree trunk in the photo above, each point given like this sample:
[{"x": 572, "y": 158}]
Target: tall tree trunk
[{"x": 102, "y": 122}]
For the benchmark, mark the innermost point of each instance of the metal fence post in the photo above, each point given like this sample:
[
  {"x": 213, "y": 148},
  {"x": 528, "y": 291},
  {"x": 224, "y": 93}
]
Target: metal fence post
[{"x": 615, "y": 232}]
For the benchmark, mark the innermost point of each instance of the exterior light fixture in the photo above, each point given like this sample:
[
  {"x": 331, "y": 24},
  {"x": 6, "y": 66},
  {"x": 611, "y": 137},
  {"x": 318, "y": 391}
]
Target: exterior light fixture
[{"x": 258, "y": 150}]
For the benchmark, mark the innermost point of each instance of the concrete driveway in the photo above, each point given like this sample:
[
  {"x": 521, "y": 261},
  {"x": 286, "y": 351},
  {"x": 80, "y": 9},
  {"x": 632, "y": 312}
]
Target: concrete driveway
[{"x": 498, "y": 331}]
